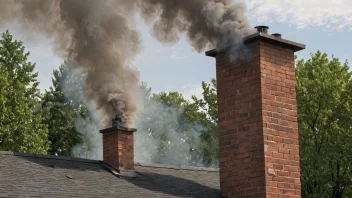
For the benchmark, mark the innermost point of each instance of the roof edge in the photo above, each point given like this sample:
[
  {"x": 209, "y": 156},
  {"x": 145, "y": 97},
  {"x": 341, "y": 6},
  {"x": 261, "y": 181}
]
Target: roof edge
[
  {"x": 6, "y": 153},
  {"x": 193, "y": 168},
  {"x": 51, "y": 157}
]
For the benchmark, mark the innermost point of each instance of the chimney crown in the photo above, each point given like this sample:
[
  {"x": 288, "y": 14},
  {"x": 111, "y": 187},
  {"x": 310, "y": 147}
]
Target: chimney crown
[
  {"x": 262, "y": 29},
  {"x": 261, "y": 35}
]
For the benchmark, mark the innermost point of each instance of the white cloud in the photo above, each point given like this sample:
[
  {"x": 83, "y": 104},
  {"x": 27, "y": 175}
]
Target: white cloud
[
  {"x": 179, "y": 54},
  {"x": 46, "y": 62},
  {"x": 192, "y": 89},
  {"x": 332, "y": 14}
]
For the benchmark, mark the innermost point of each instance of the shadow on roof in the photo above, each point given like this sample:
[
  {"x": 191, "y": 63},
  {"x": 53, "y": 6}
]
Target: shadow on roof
[{"x": 172, "y": 185}]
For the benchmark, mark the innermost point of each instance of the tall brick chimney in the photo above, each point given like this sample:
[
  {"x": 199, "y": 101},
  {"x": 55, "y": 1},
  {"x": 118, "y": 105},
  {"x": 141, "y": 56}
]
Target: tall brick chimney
[
  {"x": 258, "y": 130},
  {"x": 118, "y": 146}
]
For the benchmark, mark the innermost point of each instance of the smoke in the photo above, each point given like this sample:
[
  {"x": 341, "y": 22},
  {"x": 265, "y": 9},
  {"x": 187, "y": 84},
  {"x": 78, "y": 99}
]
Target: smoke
[
  {"x": 100, "y": 37},
  {"x": 87, "y": 121},
  {"x": 96, "y": 36},
  {"x": 92, "y": 143},
  {"x": 164, "y": 135},
  {"x": 207, "y": 23}
]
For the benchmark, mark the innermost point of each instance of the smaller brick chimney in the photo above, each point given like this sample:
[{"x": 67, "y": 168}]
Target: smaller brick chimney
[{"x": 118, "y": 146}]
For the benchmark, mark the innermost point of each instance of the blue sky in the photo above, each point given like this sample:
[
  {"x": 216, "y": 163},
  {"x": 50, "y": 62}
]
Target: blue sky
[{"x": 320, "y": 24}]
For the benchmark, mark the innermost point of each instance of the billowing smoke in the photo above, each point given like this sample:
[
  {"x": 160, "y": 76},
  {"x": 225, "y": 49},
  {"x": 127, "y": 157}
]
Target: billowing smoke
[
  {"x": 207, "y": 23},
  {"x": 96, "y": 36},
  {"x": 100, "y": 37}
]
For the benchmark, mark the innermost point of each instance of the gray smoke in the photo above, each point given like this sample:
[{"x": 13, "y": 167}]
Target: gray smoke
[
  {"x": 94, "y": 35},
  {"x": 207, "y": 23},
  {"x": 100, "y": 37}
]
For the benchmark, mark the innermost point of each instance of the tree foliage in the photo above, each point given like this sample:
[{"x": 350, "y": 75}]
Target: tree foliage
[
  {"x": 324, "y": 91},
  {"x": 176, "y": 122},
  {"x": 21, "y": 115},
  {"x": 205, "y": 111},
  {"x": 63, "y": 112},
  {"x": 170, "y": 135}
]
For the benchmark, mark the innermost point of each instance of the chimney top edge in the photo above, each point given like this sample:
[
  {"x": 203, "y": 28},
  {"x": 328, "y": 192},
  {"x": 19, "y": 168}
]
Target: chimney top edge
[
  {"x": 264, "y": 37},
  {"x": 262, "y": 26},
  {"x": 277, "y": 35},
  {"x": 119, "y": 128}
]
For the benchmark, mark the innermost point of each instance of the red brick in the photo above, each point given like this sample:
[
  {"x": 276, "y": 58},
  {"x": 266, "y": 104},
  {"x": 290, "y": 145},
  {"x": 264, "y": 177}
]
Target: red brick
[
  {"x": 118, "y": 149},
  {"x": 258, "y": 123}
]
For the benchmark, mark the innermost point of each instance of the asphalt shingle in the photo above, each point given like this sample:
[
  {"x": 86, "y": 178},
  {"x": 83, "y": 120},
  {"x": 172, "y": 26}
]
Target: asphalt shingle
[{"x": 50, "y": 176}]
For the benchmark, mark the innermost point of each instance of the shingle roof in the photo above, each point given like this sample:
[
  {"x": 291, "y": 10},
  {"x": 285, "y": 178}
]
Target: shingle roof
[{"x": 23, "y": 175}]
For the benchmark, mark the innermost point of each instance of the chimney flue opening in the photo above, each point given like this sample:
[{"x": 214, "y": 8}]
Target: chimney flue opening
[
  {"x": 262, "y": 29},
  {"x": 116, "y": 122}
]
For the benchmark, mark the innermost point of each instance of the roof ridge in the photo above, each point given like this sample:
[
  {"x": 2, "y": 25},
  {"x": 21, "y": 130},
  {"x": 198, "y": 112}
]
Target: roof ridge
[
  {"x": 51, "y": 157},
  {"x": 194, "y": 168}
]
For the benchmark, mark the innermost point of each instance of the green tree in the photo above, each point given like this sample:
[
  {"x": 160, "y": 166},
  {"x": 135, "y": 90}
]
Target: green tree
[
  {"x": 205, "y": 111},
  {"x": 170, "y": 135},
  {"x": 202, "y": 112},
  {"x": 324, "y": 99},
  {"x": 173, "y": 123},
  {"x": 62, "y": 113},
  {"x": 21, "y": 114}
]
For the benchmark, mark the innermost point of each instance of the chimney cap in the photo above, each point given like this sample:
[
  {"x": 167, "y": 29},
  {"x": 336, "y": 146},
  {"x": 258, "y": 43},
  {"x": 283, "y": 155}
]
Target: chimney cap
[
  {"x": 262, "y": 28},
  {"x": 277, "y": 35},
  {"x": 264, "y": 37}
]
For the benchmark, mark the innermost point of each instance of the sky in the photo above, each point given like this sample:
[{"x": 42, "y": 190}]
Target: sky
[{"x": 320, "y": 24}]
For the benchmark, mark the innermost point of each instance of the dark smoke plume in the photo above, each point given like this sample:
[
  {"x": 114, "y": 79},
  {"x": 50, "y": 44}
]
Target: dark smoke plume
[
  {"x": 99, "y": 36},
  {"x": 207, "y": 23}
]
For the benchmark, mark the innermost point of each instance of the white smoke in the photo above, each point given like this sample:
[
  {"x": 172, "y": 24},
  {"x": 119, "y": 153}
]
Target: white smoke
[
  {"x": 72, "y": 82},
  {"x": 164, "y": 136},
  {"x": 92, "y": 146}
]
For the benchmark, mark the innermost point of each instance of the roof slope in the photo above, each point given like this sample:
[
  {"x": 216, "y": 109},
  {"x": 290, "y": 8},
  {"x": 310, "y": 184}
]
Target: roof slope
[{"x": 50, "y": 176}]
